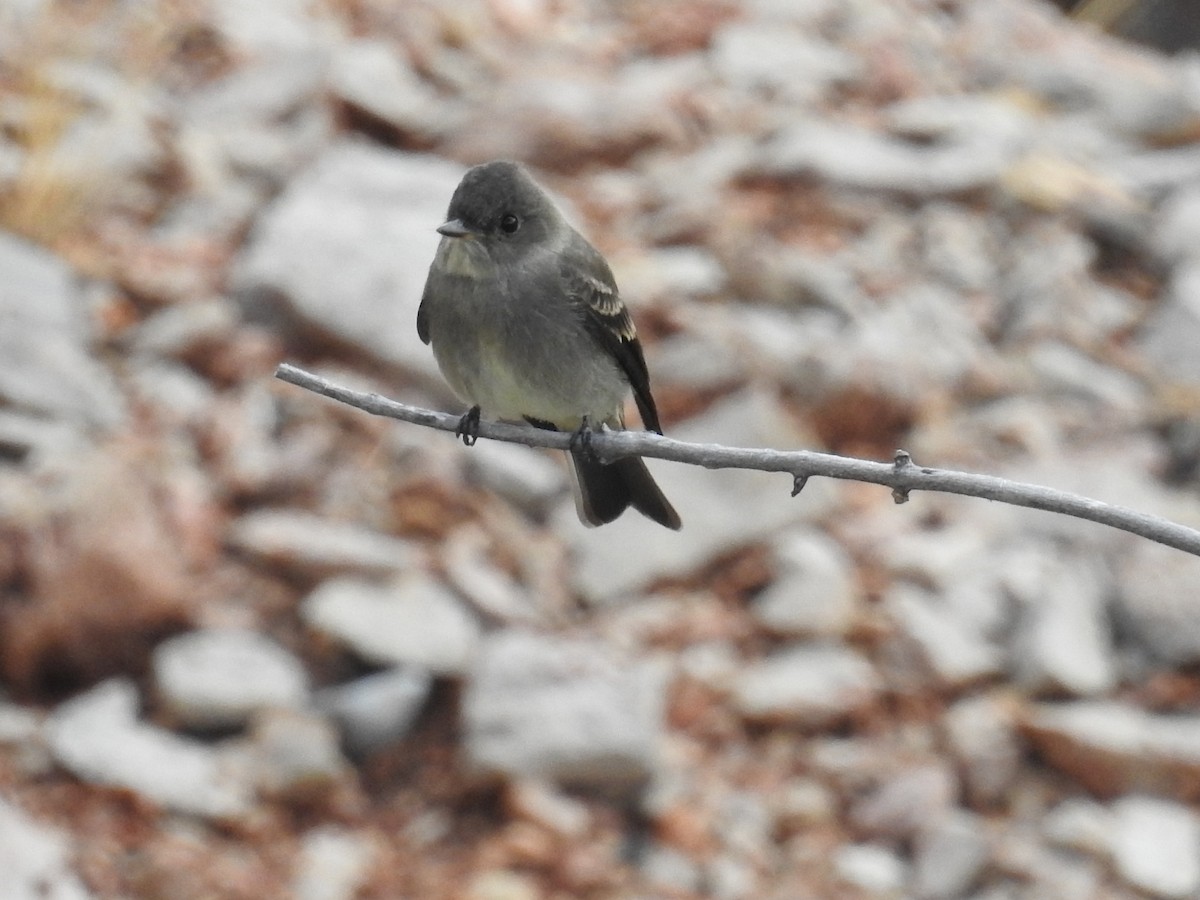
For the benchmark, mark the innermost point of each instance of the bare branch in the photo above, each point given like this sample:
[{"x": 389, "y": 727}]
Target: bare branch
[{"x": 902, "y": 475}]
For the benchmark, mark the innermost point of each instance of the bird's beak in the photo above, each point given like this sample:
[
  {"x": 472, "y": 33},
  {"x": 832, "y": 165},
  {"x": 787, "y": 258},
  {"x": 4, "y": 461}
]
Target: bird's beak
[{"x": 455, "y": 229}]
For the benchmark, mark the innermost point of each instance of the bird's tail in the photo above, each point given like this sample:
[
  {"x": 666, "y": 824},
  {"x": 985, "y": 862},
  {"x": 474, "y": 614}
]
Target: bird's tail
[{"x": 604, "y": 491}]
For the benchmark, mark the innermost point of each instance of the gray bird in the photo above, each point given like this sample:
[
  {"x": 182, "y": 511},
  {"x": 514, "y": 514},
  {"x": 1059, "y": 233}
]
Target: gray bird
[{"x": 526, "y": 324}]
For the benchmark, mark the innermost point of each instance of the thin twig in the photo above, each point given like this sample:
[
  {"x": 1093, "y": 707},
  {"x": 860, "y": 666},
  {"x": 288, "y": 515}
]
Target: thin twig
[{"x": 902, "y": 475}]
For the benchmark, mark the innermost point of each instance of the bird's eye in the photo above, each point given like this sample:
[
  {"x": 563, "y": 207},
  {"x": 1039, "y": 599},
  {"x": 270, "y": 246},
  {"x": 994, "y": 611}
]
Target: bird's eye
[{"x": 509, "y": 223}]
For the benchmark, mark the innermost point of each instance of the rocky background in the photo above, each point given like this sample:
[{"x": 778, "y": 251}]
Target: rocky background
[{"x": 254, "y": 644}]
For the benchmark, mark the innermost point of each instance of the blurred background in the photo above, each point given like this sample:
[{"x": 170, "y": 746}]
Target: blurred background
[{"x": 257, "y": 644}]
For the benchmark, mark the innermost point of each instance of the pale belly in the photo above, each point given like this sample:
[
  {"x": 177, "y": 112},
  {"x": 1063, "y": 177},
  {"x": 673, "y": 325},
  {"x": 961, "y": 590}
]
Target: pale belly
[{"x": 519, "y": 386}]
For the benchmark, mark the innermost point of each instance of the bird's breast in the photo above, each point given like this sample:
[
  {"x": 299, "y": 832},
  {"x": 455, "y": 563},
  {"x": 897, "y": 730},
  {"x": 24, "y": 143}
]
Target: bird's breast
[{"x": 464, "y": 258}]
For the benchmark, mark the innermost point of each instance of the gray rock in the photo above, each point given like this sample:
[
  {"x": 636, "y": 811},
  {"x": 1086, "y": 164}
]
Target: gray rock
[
  {"x": 530, "y": 479},
  {"x": 961, "y": 246},
  {"x": 1156, "y": 172},
  {"x": 1157, "y": 601},
  {"x": 981, "y": 733},
  {"x": 1063, "y": 641},
  {"x": 871, "y": 868},
  {"x": 492, "y": 591},
  {"x": 1046, "y": 288},
  {"x": 376, "y": 710},
  {"x": 675, "y": 273},
  {"x": 97, "y": 737},
  {"x": 1177, "y": 227},
  {"x": 295, "y": 755},
  {"x": 18, "y": 725},
  {"x": 556, "y": 117},
  {"x": 45, "y": 363},
  {"x": 1067, "y": 371},
  {"x": 272, "y": 29},
  {"x": 695, "y": 362},
  {"x": 117, "y": 137},
  {"x": 548, "y": 807},
  {"x": 956, "y": 652},
  {"x": 371, "y": 76},
  {"x": 905, "y": 802},
  {"x": 750, "y": 55},
  {"x": 876, "y": 357},
  {"x": 272, "y": 89},
  {"x": 812, "y": 686},
  {"x": 563, "y": 709},
  {"x": 801, "y": 803},
  {"x": 814, "y": 591},
  {"x": 1112, "y": 748},
  {"x": 949, "y": 855},
  {"x": 743, "y": 821},
  {"x": 185, "y": 328},
  {"x": 730, "y": 877},
  {"x": 346, "y": 248},
  {"x": 34, "y": 437},
  {"x": 220, "y": 677},
  {"x": 178, "y": 396},
  {"x": 721, "y": 509},
  {"x": 669, "y": 869},
  {"x": 316, "y": 547},
  {"x": 1169, "y": 333},
  {"x": 851, "y": 157},
  {"x": 35, "y": 860},
  {"x": 414, "y": 621},
  {"x": 1156, "y": 846},
  {"x": 334, "y": 864},
  {"x": 1080, "y": 824},
  {"x": 501, "y": 884}
]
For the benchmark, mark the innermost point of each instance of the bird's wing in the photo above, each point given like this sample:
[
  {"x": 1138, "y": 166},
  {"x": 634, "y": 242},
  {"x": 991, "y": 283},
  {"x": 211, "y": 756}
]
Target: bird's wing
[
  {"x": 423, "y": 315},
  {"x": 589, "y": 282}
]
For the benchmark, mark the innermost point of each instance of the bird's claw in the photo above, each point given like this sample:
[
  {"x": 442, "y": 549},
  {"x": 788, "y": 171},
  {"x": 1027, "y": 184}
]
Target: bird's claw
[
  {"x": 581, "y": 440},
  {"x": 468, "y": 427}
]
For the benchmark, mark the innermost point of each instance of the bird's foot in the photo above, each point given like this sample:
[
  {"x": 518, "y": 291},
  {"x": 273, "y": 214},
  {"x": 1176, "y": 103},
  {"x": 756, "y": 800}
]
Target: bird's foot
[
  {"x": 468, "y": 427},
  {"x": 581, "y": 441}
]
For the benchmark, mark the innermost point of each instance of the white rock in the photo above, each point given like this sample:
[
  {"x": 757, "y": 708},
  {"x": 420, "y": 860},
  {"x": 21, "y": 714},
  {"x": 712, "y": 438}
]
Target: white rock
[
  {"x": 219, "y": 677},
  {"x": 857, "y": 158},
  {"x": 955, "y": 652},
  {"x": 750, "y": 55},
  {"x": 1080, "y": 824},
  {"x": 346, "y": 249},
  {"x": 317, "y": 547},
  {"x": 1158, "y": 603},
  {"x": 295, "y": 755},
  {"x": 97, "y": 737},
  {"x": 334, "y": 864},
  {"x": 372, "y": 75},
  {"x": 1114, "y": 747},
  {"x": 1063, "y": 641},
  {"x": 414, "y": 621},
  {"x": 871, "y": 868},
  {"x": 949, "y": 856},
  {"x": 671, "y": 870},
  {"x": 531, "y": 479},
  {"x": 1156, "y": 846},
  {"x": 905, "y": 802},
  {"x": 563, "y": 709},
  {"x": 273, "y": 28},
  {"x": 35, "y": 860},
  {"x": 376, "y": 710},
  {"x": 814, "y": 592},
  {"x": 981, "y": 733},
  {"x": 45, "y": 362},
  {"x": 813, "y": 686}
]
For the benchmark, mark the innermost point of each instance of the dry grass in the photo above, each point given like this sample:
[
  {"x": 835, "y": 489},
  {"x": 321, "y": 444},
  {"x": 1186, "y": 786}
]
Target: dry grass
[{"x": 53, "y": 200}]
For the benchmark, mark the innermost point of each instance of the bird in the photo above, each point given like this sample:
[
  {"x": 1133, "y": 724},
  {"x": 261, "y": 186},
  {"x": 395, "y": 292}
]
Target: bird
[{"x": 526, "y": 323}]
